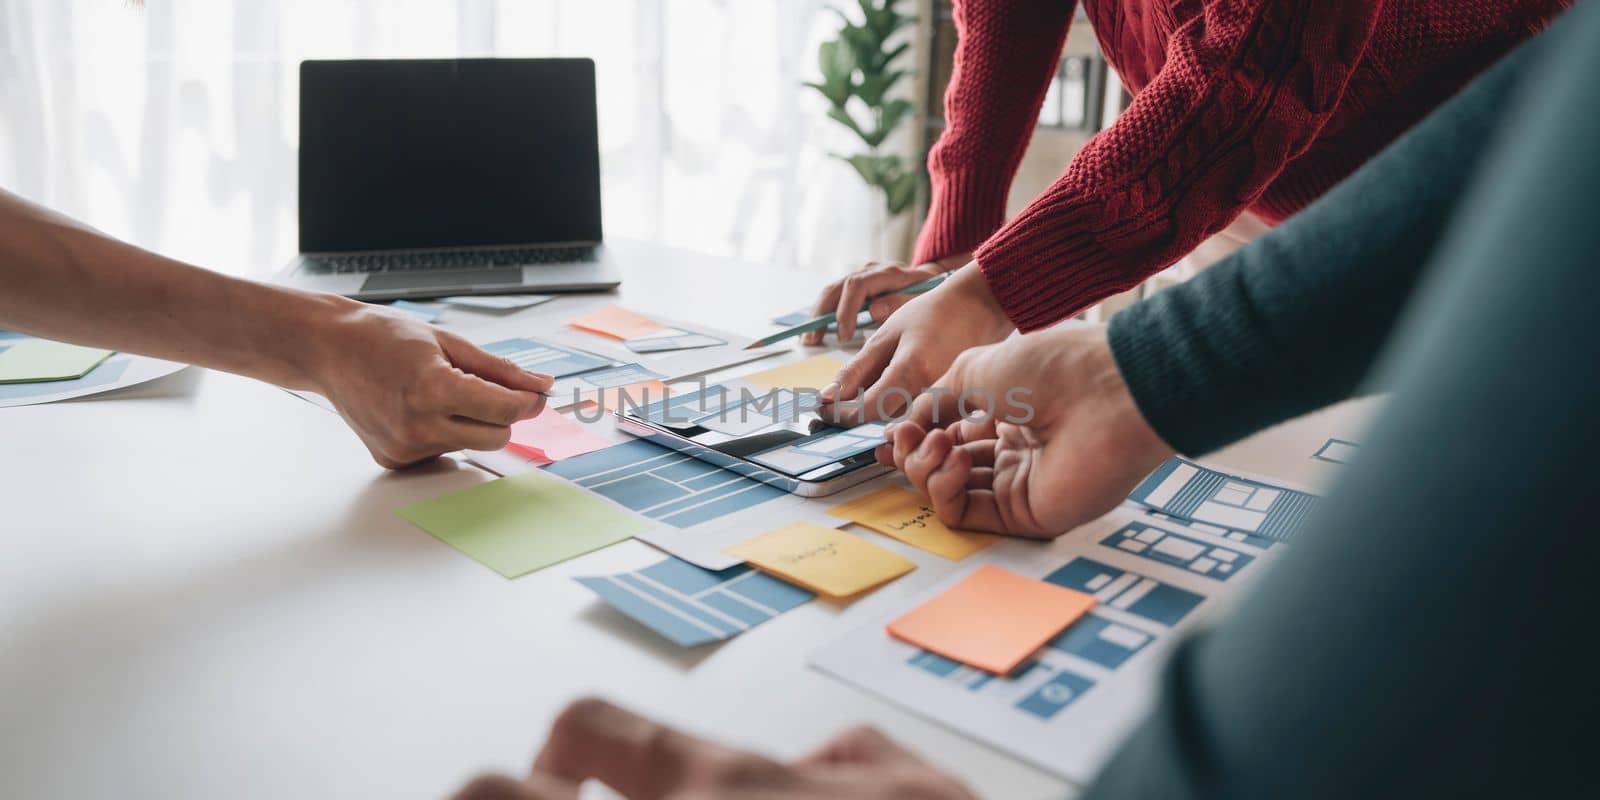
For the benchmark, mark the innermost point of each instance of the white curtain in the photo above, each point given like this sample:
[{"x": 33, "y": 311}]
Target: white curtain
[{"x": 174, "y": 124}]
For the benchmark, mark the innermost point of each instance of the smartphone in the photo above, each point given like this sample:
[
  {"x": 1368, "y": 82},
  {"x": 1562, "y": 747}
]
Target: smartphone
[{"x": 775, "y": 437}]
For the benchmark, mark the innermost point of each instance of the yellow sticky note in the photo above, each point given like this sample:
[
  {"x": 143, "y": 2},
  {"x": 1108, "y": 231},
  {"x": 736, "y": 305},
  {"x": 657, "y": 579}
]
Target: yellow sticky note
[
  {"x": 902, "y": 514},
  {"x": 813, "y": 373},
  {"x": 43, "y": 361},
  {"x": 617, "y": 322},
  {"x": 826, "y": 561},
  {"x": 993, "y": 619}
]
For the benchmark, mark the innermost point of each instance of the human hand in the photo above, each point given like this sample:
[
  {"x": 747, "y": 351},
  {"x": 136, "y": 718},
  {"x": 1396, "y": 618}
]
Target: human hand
[
  {"x": 643, "y": 760},
  {"x": 412, "y": 391},
  {"x": 1062, "y": 441},
  {"x": 915, "y": 346},
  {"x": 844, "y": 297}
]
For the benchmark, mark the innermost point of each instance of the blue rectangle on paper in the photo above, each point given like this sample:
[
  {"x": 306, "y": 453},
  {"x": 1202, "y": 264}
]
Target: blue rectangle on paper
[
  {"x": 651, "y": 615},
  {"x": 687, "y": 469},
  {"x": 712, "y": 611},
  {"x": 640, "y": 492},
  {"x": 682, "y": 576},
  {"x": 934, "y": 663},
  {"x": 754, "y": 494},
  {"x": 1062, "y": 690},
  {"x": 770, "y": 592},
  {"x": 734, "y": 607},
  {"x": 1083, "y": 639},
  {"x": 106, "y": 374},
  {"x": 698, "y": 612}
]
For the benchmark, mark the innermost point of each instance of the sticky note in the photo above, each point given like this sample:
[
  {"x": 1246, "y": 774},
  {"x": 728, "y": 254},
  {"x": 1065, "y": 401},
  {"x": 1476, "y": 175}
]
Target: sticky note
[
  {"x": 812, "y": 373},
  {"x": 551, "y": 437},
  {"x": 902, "y": 514},
  {"x": 525, "y": 522},
  {"x": 691, "y": 605},
  {"x": 638, "y": 394},
  {"x": 993, "y": 619},
  {"x": 617, "y": 322},
  {"x": 825, "y": 560},
  {"x": 41, "y": 360}
]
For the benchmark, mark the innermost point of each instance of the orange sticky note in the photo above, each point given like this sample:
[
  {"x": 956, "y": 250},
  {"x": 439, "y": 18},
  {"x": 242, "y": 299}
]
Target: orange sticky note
[
  {"x": 902, "y": 514},
  {"x": 637, "y": 394},
  {"x": 827, "y": 561},
  {"x": 617, "y": 322},
  {"x": 993, "y": 619},
  {"x": 551, "y": 437},
  {"x": 815, "y": 372}
]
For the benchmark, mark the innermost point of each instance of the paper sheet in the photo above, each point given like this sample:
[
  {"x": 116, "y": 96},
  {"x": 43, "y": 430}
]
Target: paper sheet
[
  {"x": 693, "y": 606},
  {"x": 699, "y": 508},
  {"x": 902, "y": 514},
  {"x": 1069, "y": 704},
  {"x": 43, "y": 361},
  {"x": 617, "y": 322},
  {"x": 551, "y": 437},
  {"x": 827, "y": 561},
  {"x": 993, "y": 619},
  {"x": 498, "y": 302},
  {"x": 812, "y": 373},
  {"x": 525, "y": 522}
]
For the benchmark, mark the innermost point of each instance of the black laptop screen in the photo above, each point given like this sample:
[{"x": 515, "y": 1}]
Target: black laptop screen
[{"x": 456, "y": 153}]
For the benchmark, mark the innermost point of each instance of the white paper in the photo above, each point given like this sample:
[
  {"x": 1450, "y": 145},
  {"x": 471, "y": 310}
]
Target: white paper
[{"x": 1046, "y": 716}]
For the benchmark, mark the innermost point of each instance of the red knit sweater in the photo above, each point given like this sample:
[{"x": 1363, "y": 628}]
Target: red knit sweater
[{"x": 1241, "y": 104}]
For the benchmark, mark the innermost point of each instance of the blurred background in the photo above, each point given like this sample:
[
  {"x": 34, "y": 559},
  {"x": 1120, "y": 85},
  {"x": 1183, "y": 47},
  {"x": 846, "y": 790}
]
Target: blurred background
[{"x": 174, "y": 123}]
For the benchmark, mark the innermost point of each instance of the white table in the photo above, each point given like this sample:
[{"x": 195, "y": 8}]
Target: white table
[{"x": 204, "y": 591}]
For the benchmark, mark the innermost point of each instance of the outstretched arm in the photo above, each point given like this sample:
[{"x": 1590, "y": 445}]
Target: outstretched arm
[{"x": 409, "y": 390}]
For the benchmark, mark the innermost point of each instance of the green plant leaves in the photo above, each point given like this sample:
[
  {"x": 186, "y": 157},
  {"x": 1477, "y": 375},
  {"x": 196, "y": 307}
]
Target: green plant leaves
[{"x": 860, "y": 63}]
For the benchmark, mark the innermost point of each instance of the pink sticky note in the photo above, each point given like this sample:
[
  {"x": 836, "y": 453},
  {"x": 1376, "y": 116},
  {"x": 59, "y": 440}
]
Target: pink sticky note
[{"x": 551, "y": 437}]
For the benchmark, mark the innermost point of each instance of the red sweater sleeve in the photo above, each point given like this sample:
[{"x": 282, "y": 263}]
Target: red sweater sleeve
[
  {"x": 1006, "y": 51},
  {"x": 1245, "y": 87}
]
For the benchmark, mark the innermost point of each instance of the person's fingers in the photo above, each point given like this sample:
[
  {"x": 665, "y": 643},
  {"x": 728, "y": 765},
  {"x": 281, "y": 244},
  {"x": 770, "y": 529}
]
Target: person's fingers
[
  {"x": 473, "y": 360},
  {"x": 862, "y": 745},
  {"x": 884, "y": 453},
  {"x": 881, "y": 308},
  {"x": 470, "y": 398},
  {"x": 929, "y": 456},
  {"x": 865, "y": 285},
  {"x": 892, "y": 392},
  {"x": 825, "y": 303},
  {"x": 936, "y": 407},
  {"x": 952, "y": 492},
  {"x": 469, "y": 434},
  {"x": 975, "y": 430},
  {"x": 904, "y": 440},
  {"x": 862, "y": 370},
  {"x": 980, "y": 478},
  {"x": 981, "y": 453},
  {"x": 641, "y": 759}
]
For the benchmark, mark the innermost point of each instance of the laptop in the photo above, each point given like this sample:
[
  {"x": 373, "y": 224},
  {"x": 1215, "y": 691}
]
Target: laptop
[{"x": 429, "y": 178}]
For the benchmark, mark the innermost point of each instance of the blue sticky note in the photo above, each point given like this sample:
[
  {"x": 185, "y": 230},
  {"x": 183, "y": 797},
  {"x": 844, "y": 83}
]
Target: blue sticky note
[{"x": 691, "y": 605}]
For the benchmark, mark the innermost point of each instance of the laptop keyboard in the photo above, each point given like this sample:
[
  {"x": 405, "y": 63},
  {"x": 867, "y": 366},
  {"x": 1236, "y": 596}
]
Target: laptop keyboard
[{"x": 469, "y": 259}]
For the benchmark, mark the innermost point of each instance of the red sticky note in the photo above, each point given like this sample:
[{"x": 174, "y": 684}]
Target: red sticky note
[
  {"x": 551, "y": 437},
  {"x": 617, "y": 322},
  {"x": 993, "y": 619}
]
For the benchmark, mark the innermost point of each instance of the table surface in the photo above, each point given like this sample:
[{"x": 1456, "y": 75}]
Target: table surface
[{"x": 204, "y": 591}]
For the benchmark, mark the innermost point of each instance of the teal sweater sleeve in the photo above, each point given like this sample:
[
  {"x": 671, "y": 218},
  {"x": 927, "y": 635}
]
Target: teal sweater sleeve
[
  {"x": 1431, "y": 632},
  {"x": 1292, "y": 322}
]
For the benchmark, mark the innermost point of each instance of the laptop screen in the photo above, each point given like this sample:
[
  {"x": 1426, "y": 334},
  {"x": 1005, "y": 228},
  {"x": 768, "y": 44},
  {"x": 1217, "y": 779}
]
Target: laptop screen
[{"x": 449, "y": 153}]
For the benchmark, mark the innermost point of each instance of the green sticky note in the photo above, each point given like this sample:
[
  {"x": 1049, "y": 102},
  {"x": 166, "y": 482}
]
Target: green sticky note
[
  {"x": 41, "y": 360},
  {"x": 525, "y": 522}
]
